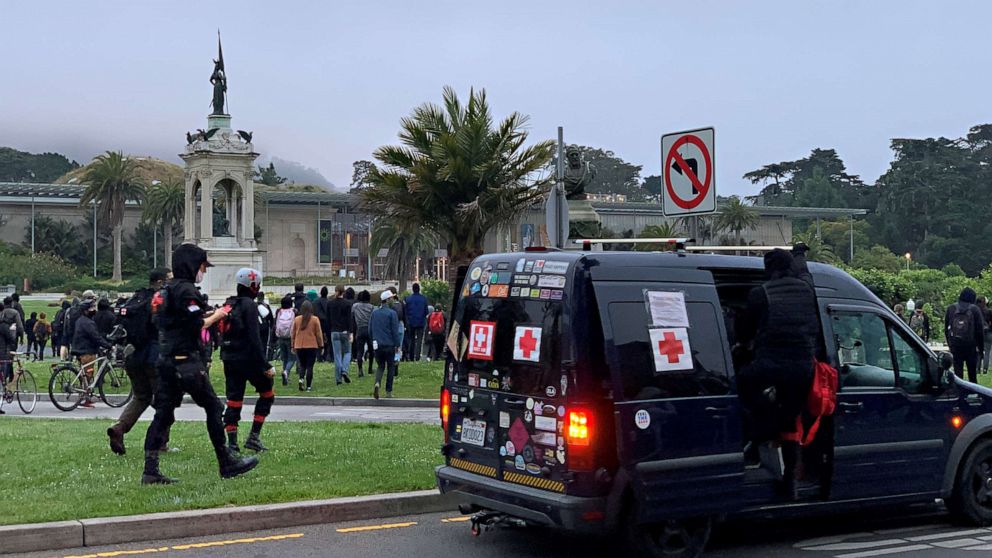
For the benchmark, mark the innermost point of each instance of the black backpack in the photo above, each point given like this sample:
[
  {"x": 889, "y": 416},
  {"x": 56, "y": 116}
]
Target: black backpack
[
  {"x": 135, "y": 316},
  {"x": 58, "y": 322},
  {"x": 231, "y": 328},
  {"x": 962, "y": 326}
]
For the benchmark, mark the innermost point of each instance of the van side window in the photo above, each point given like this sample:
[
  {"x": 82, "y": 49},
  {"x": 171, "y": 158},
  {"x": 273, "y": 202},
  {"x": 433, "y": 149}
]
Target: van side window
[
  {"x": 874, "y": 353},
  {"x": 640, "y": 381}
]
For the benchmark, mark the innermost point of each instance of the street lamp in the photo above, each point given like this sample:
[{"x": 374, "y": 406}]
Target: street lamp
[{"x": 909, "y": 258}]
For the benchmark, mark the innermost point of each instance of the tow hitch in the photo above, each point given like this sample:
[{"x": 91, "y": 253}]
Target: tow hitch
[{"x": 486, "y": 520}]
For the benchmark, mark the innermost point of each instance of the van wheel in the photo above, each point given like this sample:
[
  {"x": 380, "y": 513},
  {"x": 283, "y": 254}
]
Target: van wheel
[
  {"x": 682, "y": 538},
  {"x": 972, "y": 498}
]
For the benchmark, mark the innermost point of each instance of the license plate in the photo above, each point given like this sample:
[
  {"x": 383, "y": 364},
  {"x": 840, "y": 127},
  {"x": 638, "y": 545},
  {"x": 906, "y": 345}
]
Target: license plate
[{"x": 474, "y": 432}]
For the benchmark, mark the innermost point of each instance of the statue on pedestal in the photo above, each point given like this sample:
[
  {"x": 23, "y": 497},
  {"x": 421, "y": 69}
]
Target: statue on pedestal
[
  {"x": 583, "y": 222},
  {"x": 219, "y": 80}
]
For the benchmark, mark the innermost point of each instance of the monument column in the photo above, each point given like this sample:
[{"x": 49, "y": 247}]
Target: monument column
[{"x": 206, "y": 211}]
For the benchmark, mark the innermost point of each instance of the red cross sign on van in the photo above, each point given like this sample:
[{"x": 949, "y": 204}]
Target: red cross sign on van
[
  {"x": 527, "y": 344},
  {"x": 480, "y": 336},
  {"x": 670, "y": 347}
]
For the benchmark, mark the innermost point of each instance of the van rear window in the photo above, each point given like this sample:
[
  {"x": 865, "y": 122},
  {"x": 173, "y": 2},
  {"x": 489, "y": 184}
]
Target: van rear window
[
  {"x": 636, "y": 355},
  {"x": 519, "y": 344}
]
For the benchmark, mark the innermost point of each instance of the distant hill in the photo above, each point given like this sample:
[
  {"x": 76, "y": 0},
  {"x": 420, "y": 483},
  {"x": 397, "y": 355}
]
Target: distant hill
[
  {"x": 21, "y": 166},
  {"x": 301, "y": 174},
  {"x": 148, "y": 168}
]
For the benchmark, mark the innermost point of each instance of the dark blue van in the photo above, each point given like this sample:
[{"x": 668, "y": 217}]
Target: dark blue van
[{"x": 595, "y": 392}]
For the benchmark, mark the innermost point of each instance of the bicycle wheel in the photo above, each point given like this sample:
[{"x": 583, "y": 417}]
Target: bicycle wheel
[
  {"x": 26, "y": 391},
  {"x": 65, "y": 388},
  {"x": 115, "y": 388}
]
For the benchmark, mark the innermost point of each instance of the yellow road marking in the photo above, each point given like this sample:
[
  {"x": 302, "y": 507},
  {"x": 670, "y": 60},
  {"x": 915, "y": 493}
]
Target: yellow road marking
[
  {"x": 377, "y": 527},
  {"x": 456, "y": 519},
  {"x": 191, "y": 546}
]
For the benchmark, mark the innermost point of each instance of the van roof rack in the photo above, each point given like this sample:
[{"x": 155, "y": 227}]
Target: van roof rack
[
  {"x": 736, "y": 248},
  {"x": 678, "y": 242}
]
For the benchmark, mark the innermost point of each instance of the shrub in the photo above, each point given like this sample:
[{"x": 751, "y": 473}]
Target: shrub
[
  {"x": 436, "y": 291},
  {"x": 42, "y": 271}
]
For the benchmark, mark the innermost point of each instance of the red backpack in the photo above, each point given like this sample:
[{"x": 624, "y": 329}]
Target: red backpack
[
  {"x": 436, "y": 322},
  {"x": 821, "y": 402}
]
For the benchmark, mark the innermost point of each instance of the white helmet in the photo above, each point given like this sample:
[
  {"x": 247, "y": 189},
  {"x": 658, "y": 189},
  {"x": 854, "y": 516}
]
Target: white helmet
[{"x": 251, "y": 278}]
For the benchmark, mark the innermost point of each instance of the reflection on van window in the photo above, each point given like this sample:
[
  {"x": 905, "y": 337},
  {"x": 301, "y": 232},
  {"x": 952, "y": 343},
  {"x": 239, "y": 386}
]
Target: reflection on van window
[
  {"x": 640, "y": 381},
  {"x": 868, "y": 359}
]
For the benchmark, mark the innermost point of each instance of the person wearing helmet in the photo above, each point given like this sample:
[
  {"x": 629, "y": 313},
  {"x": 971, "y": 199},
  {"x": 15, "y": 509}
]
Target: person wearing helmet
[
  {"x": 243, "y": 355},
  {"x": 87, "y": 341},
  {"x": 181, "y": 314}
]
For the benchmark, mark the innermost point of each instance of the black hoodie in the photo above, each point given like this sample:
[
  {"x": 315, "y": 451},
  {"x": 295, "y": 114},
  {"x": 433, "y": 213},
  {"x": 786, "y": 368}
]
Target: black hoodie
[
  {"x": 179, "y": 314},
  {"x": 242, "y": 342}
]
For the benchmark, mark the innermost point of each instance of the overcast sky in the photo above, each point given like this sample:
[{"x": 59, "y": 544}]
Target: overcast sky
[{"x": 325, "y": 83}]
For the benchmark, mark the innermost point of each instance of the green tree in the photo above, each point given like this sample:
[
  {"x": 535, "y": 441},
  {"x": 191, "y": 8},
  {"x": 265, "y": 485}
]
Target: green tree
[
  {"x": 652, "y": 185},
  {"x": 736, "y": 216},
  {"x": 663, "y": 230},
  {"x": 819, "y": 251},
  {"x": 819, "y": 191},
  {"x": 879, "y": 257},
  {"x": 268, "y": 176},
  {"x": 837, "y": 236},
  {"x": 360, "y": 175},
  {"x": 57, "y": 237},
  {"x": 788, "y": 179},
  {"x": 21, "y": 166},
  {"x": 111, "y": 182},
  {"x": 458, "y": 174},
  {"x": 165, "y": 206},
  {"x": 405, "y": 245}
]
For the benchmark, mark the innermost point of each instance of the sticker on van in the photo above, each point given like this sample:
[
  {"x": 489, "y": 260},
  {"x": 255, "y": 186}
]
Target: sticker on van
[
  {"x": 520, "y": 265},
  {"x": 481, "y": 336},
  {"x": 670, "y": 347},
  {"x": 642, "y": 419},
  {"x": 556, "y": 267},
  {"x": 552, "y": 281},
  {"x": 527, "y": 344},
  {"x": 475, "y": 273}
]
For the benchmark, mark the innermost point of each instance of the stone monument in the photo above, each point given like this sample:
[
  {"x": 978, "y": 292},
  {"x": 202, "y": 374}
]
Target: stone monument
[
  {"x": 219, "y": 170},
  {"x": 583, "y": 221}
]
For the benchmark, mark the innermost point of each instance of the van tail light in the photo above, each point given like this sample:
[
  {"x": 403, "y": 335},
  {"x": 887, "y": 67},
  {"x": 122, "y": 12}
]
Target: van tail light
[
  {"x": 445, "y": 410},
  {"x": 579, "y": 433}
]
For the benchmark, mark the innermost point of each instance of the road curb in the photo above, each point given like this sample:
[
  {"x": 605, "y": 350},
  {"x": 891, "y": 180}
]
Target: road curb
[
  {"x": 199, "y": 523},
  {"x": 351, "y": 402}
]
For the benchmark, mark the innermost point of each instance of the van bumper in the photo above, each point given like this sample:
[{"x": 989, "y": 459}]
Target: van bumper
[{"x": 533, "y": 505}]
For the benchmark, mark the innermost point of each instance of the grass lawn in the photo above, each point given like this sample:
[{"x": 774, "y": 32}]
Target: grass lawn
[
  {"x": 56, "y": 470},
  {"x": 418, "y": 380}
]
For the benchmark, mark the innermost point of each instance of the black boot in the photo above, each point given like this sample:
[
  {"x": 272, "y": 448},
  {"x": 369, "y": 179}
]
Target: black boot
[
  {"x": 254, "y": 443},
  {"x": 232, "y": 465},
  {"x": 152, "y": 475},
  {"x": 232, "y": 441},
  {"x": 116, "y": 436}
]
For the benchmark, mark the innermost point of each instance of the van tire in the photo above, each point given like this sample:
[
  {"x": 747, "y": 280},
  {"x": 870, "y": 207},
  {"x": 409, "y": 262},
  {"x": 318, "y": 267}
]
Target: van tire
[
  {"x": 676, "y": 538},
  {"x": 971, "y": 501}
]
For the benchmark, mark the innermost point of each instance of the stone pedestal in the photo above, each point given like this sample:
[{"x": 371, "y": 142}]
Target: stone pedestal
[
  {"x": 583, "y": 221},
  {"x": 218, "y": 282}
]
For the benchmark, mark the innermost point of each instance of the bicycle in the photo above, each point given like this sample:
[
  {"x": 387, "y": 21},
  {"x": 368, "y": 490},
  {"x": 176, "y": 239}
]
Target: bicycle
[
  {"x": 70, "y": 385},
  {"x": 25, "y": 388}
]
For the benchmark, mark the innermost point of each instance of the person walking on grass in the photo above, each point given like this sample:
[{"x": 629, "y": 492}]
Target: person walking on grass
[
  {"x": 136, "y": 318},
  {"x": 361, "y": 311},
  {"x": 321, "y": 309},
  {"x": 308, "y": 339},
  {"x": 339, "y": 320},
  {"x": 416, "y": 321},
  {"x": 399, "y": 307},
  {"x": 42, "y": 331},
  {"x": 436, "y": 326},
  {"x": 29, "y": 331},
  {"x": 384, "y": 325},
  {"x": 283, "y": 330},
  {"x": 180, "y": 313},
  {"x": 243, "y": 355}
]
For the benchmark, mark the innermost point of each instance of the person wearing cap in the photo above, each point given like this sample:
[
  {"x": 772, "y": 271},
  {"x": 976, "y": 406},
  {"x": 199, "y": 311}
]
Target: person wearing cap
[
  {"x": 72, "y": 316},
  {"x": 243, "y": 355},
  {"x": 87, "y": 341},
  {"x": 181, "y": 314},
  {"x": 384, "y": 326},
  {"x": 140, "y": 365}
]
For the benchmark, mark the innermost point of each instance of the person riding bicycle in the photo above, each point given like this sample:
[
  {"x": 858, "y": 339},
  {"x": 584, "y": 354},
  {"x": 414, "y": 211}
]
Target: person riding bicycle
[
  {"x": 135, "y": 315},
  {"x": 8, "y": 343},
  {"x": 243, "y": 355},
  {"x": 87, "y": 341},
  {"x": 179, "y": 312}
]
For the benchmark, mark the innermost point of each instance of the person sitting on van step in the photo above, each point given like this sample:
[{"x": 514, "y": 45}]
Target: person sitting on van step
[{"x": 781, "y": 325}]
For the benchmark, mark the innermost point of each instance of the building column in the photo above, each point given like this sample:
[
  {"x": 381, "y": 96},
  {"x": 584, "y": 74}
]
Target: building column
[
  {"x": 233, "y": 194},
  {"x": 189, "y": 219},
  {"x": 248, "y": 214},
  {"x": 207, "y": 211}
]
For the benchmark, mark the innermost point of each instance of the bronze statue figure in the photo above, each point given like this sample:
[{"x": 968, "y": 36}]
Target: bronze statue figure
[
  {"x": 245, "y": 135},
  {"x": 578, "y": 174},
  {"x": 219, "y": 80}
]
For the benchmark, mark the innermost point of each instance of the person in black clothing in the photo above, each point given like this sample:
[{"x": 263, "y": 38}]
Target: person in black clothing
[
  {"x": 140, "y": 364},
  {"x": 965, "y": 329},
  {"x": 781, "y": 327},
  {"x": 88, "y": 341},
  {"x": 339, "y": 320},
  {"x": 243, "y": 355},
  {"x": 29, "y": 331},
  {"x": 15, "y": 303},
  {"x": 983, "y": 305},
  {"x": 299, "y": 297},
  {"x": 321, "y": 309},
  {"x": 104, "y": 317},
  {"x": 180, "y": 312},
  {"x": 58, "y": 324},
  {"x": 266, "y": 324}
]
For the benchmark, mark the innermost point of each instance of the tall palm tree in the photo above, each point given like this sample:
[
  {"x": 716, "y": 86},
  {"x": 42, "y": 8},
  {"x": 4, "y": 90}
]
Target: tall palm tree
[
  {"x": 165, "y": 205},
  {"x": 404, "y": 245},
  {"x": 458, "y": 174},
  {"x": 112, "y": 181},
  {"x": 736, "y": 217}
]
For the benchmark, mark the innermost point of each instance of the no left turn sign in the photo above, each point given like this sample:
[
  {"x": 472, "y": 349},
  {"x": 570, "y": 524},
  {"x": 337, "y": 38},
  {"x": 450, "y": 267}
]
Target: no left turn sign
[{"x": 687, "y": 172}]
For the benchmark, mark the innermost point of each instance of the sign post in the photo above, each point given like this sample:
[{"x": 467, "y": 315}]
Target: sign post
[
  {"x": 687, "y": 173},
  {"x": 556, "y": 209}
]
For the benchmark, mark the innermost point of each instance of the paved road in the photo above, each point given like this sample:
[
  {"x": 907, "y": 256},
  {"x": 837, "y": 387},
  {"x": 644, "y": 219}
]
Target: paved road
[
  {"x": 189, "y": 411},
  {"x": 926, "y": 534}
]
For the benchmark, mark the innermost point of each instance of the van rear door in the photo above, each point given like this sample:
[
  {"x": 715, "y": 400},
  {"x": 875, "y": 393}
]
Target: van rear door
[
  {"x": 677, "y": 418},
  {"x": 508, "y": 388}
]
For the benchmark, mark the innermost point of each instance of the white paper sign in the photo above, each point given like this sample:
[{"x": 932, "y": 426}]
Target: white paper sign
[
  {"x": 668, "y": 309},
  {"x": 670, "y": 347}
]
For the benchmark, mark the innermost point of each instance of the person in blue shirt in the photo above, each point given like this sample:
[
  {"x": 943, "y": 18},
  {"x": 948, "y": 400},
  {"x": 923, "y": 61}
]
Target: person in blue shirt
[
  {"x": 384, "y": 326},
  {"x": 416, "y": 321}
]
